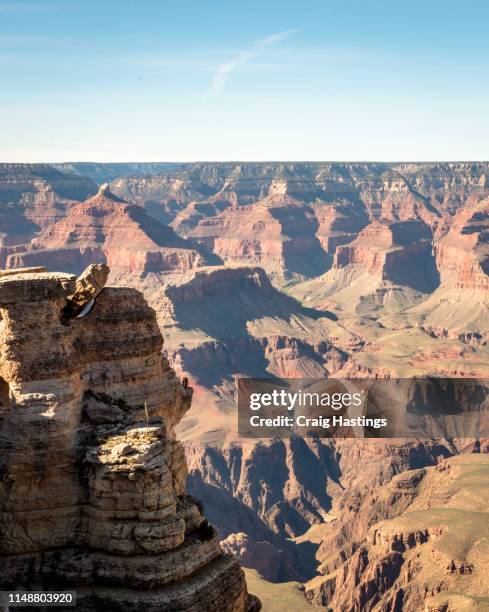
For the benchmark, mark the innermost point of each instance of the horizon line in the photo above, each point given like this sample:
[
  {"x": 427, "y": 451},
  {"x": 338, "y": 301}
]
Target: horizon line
[{"x": 258, "y": 161}]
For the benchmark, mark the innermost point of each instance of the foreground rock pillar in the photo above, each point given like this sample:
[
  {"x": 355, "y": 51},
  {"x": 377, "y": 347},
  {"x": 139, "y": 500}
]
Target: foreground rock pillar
[{"x": 92, "y": 480}]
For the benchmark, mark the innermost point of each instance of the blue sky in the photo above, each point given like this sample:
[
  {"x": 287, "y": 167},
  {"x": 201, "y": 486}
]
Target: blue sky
[{"x": 149, "y": 80}]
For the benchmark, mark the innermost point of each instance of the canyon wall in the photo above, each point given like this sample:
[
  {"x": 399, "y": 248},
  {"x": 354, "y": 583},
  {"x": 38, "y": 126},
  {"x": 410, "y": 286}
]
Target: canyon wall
[{"x": 283, "y": 269}]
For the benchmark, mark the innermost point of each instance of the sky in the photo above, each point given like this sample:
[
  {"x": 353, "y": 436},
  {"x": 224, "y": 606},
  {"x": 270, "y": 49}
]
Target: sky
[{"x": 197, "y": 80}]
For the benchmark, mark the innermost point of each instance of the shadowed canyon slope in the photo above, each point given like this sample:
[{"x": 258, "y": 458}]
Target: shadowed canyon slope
[
  {"x": 294, "y": 270},
  {"x": 428, "y": 553}
]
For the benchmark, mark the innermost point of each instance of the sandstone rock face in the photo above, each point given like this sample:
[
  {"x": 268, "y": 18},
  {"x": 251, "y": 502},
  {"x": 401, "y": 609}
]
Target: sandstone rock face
[{"x": 92, "y": 479}]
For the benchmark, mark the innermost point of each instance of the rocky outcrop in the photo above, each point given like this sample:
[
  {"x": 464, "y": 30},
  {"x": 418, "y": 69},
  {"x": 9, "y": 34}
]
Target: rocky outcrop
[
  {"x": 88, "y": 407},
  {"x": 87, "y": 287}
]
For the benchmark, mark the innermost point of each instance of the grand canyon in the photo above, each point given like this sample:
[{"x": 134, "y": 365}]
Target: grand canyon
[{"x": 291, "y": 270}]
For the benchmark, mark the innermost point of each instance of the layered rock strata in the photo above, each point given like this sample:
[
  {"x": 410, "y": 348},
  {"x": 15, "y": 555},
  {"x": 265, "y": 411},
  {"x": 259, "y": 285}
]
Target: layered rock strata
[
  {"x": 407, "y": 284},
  {"x": 92, "y": 479},
  {"x": 106, "y": 228}
]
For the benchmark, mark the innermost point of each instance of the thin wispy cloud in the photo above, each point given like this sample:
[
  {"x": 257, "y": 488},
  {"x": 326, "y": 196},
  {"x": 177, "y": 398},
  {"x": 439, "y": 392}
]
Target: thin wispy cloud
[{"x": 225, "y": 70}]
